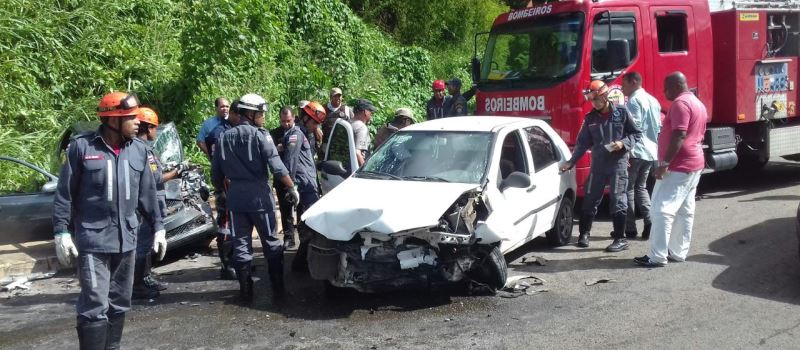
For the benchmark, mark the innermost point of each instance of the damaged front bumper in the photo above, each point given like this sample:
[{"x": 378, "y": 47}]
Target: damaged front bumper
[{"x": 448, "y": 253}]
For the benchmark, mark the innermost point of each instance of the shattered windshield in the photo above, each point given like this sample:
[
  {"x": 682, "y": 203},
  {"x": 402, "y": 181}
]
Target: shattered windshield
[
  {"x": 541, "y": 51},
  {"x": 168, "y": 144},
  {"x": 433, "y": 156}
]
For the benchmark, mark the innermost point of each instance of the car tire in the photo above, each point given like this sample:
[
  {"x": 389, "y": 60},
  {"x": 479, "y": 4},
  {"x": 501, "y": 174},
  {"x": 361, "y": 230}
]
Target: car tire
[
  {"x": 492, "y": 269},
  {"x": 561, "y": 233}
]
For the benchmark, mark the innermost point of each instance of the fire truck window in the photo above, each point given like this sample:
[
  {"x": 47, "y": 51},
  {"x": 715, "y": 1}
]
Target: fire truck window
[
  {"x": 672, "y": 33},
  {"x": 623, "y": 29},
  {"x": 542, "y": 149}
]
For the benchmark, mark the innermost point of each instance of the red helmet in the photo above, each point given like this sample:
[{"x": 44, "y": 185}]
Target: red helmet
[
  {"x": 147, "y": 115},
  {"x": 118, "y": 104},
  {"x": 438, "y": 85},
  {"x": 315, "y": 111},
  {"x": 596, "y": 88}
]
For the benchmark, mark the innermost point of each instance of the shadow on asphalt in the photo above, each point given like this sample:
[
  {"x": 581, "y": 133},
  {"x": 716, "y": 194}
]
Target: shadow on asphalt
[
  {"x": 738, "y": 183},
  {"x": 762, "y": 261}
]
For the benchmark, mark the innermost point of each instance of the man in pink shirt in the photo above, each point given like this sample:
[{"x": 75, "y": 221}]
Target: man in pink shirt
[{"x": 680, "y": 162}]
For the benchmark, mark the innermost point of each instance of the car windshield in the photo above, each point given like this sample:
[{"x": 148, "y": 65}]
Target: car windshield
[
  {"x": 434, "y": 156},
  {"x": 542, "y": 51},
  {"x": 168, "y": 144}
]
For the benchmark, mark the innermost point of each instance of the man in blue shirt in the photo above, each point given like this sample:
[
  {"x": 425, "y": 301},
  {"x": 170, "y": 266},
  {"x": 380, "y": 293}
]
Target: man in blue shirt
[
  {"x": 645, "y": 112},
  {"x": 222, "y": 105}
]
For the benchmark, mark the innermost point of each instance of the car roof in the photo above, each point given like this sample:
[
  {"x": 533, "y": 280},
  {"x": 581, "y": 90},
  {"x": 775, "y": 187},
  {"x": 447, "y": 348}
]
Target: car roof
[{"x": 475, "y": 123}]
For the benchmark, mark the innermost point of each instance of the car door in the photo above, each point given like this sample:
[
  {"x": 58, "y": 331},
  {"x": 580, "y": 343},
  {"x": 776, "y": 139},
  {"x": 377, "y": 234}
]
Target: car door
[
  {"x": 545, "y": 179},
  {"x": 26, "y": 202},
  {"x": 515, "y": 203},
  {"x": 339, "y": 161}
]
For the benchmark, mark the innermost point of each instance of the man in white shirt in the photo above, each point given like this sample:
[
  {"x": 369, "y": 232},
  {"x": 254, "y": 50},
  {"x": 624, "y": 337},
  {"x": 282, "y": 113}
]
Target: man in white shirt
[
  {"x": 363, "y": 114},
  {"x": 645, "y": 111}
]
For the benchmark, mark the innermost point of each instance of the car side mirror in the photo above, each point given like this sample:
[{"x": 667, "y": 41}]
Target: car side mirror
[
  {"x": 516, "y": 180},
  {"x": 334, "y": 167},
  {"x": 50, "y": 187}
]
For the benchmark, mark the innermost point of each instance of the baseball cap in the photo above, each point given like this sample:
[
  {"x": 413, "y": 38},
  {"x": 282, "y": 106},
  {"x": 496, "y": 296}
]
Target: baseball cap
[
  {"x": 404, "y": 112},
  {"x": 454, "y": 82},
  {"x": 438, "y": 85},
  {"x": 364, "y": 105},
  {"x": 336, "y": 91}
]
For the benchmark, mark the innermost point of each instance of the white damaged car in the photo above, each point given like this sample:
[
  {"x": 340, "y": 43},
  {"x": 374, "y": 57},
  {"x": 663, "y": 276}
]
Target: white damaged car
[{"x": 439, "y": 202}]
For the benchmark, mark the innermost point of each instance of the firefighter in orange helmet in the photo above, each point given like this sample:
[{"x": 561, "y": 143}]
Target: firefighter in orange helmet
[
  {"x": 610, "y": 133},
  {"x": 145, "y": 286},
  {"x": 103, "y": 185}
]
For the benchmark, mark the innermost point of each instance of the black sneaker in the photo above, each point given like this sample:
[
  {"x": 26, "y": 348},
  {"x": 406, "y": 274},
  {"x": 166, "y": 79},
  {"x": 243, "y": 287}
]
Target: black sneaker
[
  {"x": 153, "y": 283},
  {"x": 618, "y": 245},
  {"x": 141, "y": 291},
  {"x": 645, "y": 261},
  {"x": 288, "y": 242}
]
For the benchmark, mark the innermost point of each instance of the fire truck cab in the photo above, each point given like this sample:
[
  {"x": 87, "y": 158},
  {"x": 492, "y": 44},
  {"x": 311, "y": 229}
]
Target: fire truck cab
[{"x": 538, "y": 60}]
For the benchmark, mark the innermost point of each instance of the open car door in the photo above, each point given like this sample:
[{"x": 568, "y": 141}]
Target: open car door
[
  {"x": 340, "y": 156},
  {"x": 26, "y": 210}
]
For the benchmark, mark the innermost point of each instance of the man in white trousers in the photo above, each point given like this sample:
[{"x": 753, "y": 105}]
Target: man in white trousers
[{"x": 680, "y": 162}]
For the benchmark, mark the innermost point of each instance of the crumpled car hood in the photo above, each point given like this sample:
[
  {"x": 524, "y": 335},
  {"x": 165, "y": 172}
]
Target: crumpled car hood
[{"x": 382, "y": 206}]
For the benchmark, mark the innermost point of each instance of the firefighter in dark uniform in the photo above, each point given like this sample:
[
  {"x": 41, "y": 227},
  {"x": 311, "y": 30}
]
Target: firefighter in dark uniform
[
  {"x": 610, "y": 133},
  {"x": 298, "y": 155},
  {"x": 287, "y": 209},
  {"x": 435, "y": 108},
  {"x": 145, "y": 286},
  {"x": 244, "y": 154},
  {"x": 455, "y": 105},
  {"x": 102, "y": 184},
  {"x": 224, "y": 242}
]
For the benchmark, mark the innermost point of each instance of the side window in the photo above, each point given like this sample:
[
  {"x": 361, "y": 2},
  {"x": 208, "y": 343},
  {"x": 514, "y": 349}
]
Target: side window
[
  {"x": 512, "y": 157},
  {"x": 542, "y": 148},
  {"x": 339, "y": 147},
  {"x": 613, "y": 38},
  {"x": 24, "y": 180},
  {"x": 672, "y": 31}
]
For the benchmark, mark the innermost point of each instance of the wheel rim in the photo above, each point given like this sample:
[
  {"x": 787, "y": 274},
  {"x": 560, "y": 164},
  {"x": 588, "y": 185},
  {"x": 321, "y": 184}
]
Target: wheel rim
[{"x": 565, "y": 222}]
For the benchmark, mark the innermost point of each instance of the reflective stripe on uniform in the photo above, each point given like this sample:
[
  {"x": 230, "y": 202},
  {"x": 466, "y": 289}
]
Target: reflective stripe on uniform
[
  {"x": 127, "y": 179},
  {"x": 109, "y": 180},
  {"x": 222, "y": 147},
  {"x": 272, "y": 241},
  {"x": 250, "y": 149},
  {"x": 231, "y": 225},
  {"x": 90, "y": 258}
]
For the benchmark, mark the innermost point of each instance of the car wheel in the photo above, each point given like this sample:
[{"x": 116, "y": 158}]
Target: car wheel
[
  {"x": 492, "y": 269},
  {"x": 561, "y": 233}
]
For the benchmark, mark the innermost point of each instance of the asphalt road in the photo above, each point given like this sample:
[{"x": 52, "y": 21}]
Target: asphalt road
[{"x": 740, "y": 288}]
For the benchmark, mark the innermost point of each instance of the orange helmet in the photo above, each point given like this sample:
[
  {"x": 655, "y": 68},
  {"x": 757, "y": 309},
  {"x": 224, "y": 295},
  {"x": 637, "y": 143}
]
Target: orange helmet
[
  {"x": 147, "y": 115},
  {"x": 118, "y": 104},
  {"x": 596, "y": 88},
  {"x": 315, "y": 111}
]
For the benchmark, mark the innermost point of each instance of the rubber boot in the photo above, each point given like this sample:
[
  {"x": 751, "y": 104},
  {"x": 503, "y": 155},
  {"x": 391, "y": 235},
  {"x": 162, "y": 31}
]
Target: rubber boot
[
  {"x": 149, "y": 279},
  {"x": 140, "y": 289},
  {"x": 226, "y": 272},
  {"x": 300, "y": 261},
  {"x": 275, "y": 270},
  {"x": 92, "y": 335},
  {"x": 646, "y": 230},
  {"x": 114, "y": 333},
  {"x": 584, "y": 230},
  {"x": 245, "y": 284},
  {"x": 619, "y": 222}
]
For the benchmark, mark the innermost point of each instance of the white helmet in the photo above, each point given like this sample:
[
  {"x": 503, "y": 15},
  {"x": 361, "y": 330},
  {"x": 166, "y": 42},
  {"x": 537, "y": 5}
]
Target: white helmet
[{"x": 253, "y": 102}]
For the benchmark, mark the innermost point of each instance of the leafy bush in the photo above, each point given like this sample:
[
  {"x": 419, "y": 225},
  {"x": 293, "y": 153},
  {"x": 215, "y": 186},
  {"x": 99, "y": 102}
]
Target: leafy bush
[{"x": 57, "y": 58}]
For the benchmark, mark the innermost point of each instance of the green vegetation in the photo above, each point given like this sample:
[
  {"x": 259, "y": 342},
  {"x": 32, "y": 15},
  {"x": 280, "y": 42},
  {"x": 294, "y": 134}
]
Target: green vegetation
[{"x": 58, "y": 57}]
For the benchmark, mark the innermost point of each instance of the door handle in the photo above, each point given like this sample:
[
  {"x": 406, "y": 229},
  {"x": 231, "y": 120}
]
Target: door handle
[{"x": 530, "y": 189}]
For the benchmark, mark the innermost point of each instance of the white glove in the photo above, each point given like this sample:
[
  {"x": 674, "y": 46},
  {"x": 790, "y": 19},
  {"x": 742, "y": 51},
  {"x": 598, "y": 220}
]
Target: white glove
[
  {"x": 65, "y": 249},
  {"x": 160, "y": 244}
]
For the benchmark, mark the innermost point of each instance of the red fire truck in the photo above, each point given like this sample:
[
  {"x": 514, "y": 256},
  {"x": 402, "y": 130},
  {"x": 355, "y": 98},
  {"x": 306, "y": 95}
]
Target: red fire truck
[{"x": 741, "y": 63}]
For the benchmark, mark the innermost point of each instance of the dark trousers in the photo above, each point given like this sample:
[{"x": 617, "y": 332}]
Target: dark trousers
[
  {"x": 242, "y": 224},
  {"x": 308, "y": 197},
  {"x": 287, "y": 212},
  {"x": 616, "y": 176},
  {"x": 638, "y": 198},
  {"x": 106, "y": 282}
]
